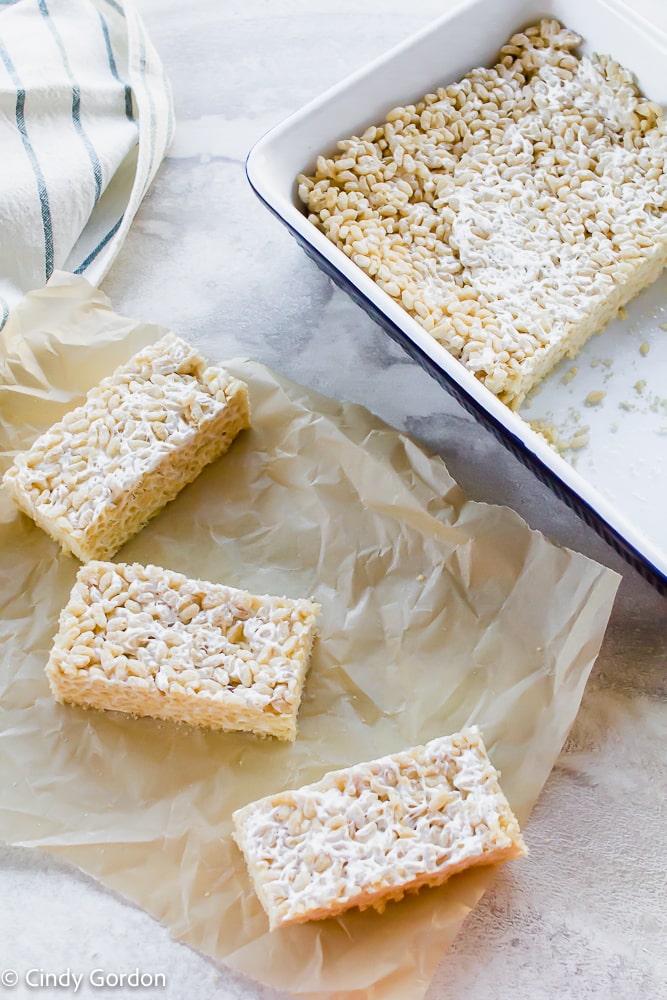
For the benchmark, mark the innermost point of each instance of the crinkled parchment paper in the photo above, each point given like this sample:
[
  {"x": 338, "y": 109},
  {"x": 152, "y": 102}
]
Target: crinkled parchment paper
[{"x": 437, "y": 612}]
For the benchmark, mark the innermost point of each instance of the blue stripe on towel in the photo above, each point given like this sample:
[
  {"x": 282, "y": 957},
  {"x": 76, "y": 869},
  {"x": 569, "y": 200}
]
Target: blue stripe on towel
[
  {"x": 76, "y": 102},
  {"x": 90, "y": 149},
  {"x": 34, "y": 163},
  {"x": 114, "y": 68},
  {"x": 117, "y": 7},
  {"x": 100, "y": 246}
]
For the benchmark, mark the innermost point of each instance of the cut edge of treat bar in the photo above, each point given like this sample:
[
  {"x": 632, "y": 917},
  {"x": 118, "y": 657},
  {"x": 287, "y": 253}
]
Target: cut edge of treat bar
[
  {"x": 121, "y": 522},
  {"x": 645, "y": 273}
]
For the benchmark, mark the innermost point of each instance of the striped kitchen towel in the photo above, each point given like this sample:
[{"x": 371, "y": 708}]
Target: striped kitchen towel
[{"x": 86, "y": 118}]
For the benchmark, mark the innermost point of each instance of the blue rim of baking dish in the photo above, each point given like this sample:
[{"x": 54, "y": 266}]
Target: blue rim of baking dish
[{"x": 640, "y": 562}]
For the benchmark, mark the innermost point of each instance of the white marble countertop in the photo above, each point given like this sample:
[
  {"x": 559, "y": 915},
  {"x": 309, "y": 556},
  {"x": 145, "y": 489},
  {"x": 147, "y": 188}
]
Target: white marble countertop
[{"x": 587, "y": 918}]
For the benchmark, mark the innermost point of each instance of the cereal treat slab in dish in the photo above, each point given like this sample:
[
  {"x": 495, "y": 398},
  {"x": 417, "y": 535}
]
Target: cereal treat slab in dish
[
  {"x": 99, "y": 474},
  {"x": 513, "y": 213},
  {"x": 374, "y": 831},
  {"x": 149, "y": 641}
]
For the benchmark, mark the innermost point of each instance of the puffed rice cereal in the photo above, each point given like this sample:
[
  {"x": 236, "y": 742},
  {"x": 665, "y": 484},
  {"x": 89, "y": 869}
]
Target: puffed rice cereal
[
  {"x": 150, "y": 641},
  {"x": 513, "y": 213},
  {"x": 98, "y": 475},
  {"x": 374, "y": 831}
]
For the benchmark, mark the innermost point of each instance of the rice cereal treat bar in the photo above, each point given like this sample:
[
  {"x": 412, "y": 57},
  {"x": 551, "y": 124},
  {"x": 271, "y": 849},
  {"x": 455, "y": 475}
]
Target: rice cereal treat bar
[
  {"x": 374, "y": 831},
  {"x": 99, "y": 474},
  {"x": 513, "y": 213},
  {"x": 149, "y": 641}
]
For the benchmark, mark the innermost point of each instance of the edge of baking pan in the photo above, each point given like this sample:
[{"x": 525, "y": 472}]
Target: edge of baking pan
[{"x": 634, "y": 556}]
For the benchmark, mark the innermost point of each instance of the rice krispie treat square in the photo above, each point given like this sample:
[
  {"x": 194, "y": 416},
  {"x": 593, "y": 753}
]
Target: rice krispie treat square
[
  {"x": 149, "y": 641},
  {"x": 98, "y": 475},
  {"x": 374, "y": 831}
]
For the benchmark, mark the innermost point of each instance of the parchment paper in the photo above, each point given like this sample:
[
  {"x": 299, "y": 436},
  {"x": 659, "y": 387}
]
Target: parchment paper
[{"x": 437, "y": 612}]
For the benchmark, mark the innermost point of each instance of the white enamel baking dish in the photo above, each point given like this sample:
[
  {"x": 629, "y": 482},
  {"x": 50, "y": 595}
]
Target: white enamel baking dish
[{"x": 618, "y": 483}]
